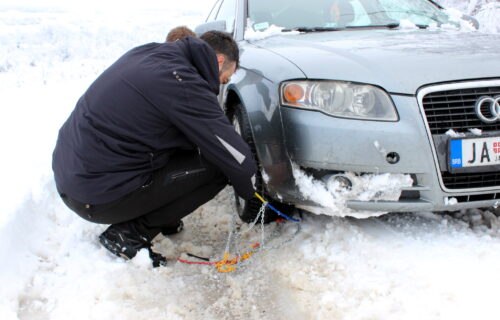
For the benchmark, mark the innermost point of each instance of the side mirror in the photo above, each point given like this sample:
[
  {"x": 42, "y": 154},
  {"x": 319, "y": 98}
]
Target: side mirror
[
  {"x": 219, "y": 25},
  {"x": 471, "y": 20}
]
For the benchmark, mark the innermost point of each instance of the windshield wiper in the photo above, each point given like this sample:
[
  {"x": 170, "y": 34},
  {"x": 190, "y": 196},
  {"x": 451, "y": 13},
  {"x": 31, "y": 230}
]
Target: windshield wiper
[
  {"x": 311, "y": 29},
  {"x": 389, "y": 26},
  {"x": 323, "y": 29},
  {"x": 392, "y": 25}
]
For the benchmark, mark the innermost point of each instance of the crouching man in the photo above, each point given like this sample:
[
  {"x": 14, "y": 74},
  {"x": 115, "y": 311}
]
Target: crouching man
[{"x": 148, "y": 143}]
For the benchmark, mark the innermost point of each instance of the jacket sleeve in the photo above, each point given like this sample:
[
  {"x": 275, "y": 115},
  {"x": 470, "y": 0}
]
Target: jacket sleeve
[{"x": 195, "y": 111}]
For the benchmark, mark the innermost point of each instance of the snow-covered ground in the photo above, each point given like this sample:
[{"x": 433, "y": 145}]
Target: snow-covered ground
[{"x": 400, "y": 266}]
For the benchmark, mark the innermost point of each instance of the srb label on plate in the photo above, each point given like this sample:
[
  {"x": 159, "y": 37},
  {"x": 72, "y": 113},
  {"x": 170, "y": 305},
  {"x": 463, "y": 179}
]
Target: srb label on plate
[{"x": 474, "y": 152}]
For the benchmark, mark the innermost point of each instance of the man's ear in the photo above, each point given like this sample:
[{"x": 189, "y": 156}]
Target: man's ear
[{"x": 221, "y": 59}]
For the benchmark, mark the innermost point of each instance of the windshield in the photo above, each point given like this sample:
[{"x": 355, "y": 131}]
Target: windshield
[{"x": 324, "y": 14}]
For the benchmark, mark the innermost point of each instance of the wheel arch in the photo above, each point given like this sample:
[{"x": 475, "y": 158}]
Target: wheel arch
[
  {"x": 259, "y": 98},
  {"x": 252, "y": 107},
  {"x": 233, "y": 98}
]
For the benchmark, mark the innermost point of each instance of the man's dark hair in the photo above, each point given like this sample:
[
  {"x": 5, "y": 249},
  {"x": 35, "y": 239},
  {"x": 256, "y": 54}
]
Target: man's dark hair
[{"x": 223, "y": 43}]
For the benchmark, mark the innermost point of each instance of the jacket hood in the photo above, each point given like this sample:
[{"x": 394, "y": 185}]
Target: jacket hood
[
  {"x": 400, "y": 61},
  {"x": 203, "y": 58}
]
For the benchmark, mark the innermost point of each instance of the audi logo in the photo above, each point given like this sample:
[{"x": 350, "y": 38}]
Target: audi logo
[{"x": 488, "y": 109}]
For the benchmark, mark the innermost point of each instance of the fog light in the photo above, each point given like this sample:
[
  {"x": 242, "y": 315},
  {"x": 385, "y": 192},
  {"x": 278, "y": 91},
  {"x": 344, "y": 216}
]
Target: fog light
[{"x": 340, "y": 180}]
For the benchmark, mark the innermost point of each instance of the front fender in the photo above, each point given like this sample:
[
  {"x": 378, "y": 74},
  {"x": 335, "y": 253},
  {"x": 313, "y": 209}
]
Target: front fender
[{"x": 260, "y": 97}]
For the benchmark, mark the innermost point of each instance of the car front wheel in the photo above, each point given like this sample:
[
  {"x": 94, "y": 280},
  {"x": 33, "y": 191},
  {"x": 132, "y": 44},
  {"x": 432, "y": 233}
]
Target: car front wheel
[{"x": 249, "y": 209}]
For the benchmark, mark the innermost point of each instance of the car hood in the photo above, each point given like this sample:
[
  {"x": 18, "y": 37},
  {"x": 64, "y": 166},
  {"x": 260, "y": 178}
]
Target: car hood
[{"x": 400, "y": 61}]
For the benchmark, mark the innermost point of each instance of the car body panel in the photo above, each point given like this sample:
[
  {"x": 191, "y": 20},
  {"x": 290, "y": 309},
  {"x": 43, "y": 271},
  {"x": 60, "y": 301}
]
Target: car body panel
[
  {"x": 399, "y": 61},
  {"x": 349, "y": 147}
]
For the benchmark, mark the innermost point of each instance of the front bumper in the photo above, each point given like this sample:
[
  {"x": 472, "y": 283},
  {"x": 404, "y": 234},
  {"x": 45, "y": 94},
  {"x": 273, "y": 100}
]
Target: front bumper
[{"x": 322, "y": 145}]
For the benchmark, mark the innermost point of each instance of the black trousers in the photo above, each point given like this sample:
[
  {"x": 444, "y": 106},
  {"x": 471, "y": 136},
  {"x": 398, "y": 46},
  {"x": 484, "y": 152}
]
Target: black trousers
[{"x": 176, "y": 190}]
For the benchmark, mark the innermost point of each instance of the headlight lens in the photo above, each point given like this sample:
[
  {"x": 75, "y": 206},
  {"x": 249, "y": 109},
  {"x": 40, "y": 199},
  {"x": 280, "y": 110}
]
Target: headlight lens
[{"x": 340, "y": 99}]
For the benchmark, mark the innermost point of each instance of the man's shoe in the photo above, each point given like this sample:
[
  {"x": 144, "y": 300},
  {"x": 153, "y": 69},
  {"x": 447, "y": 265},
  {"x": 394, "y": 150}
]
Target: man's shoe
[
  {"x": 123, "y": 240},
  {"x": 173, "y": 230}
]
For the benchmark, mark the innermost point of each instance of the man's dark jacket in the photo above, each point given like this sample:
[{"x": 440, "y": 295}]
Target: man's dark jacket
[{"x": 157, "y": 98}]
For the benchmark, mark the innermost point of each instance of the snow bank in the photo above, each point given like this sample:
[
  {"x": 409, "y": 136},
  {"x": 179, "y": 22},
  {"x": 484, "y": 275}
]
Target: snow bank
[{"x": 400, "y": 266}]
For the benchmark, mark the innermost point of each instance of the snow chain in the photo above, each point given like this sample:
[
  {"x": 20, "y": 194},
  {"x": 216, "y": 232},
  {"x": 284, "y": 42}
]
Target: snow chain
[{"x": 228, "y": 264}]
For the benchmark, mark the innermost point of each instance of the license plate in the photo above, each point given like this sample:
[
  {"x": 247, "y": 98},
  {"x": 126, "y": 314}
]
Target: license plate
[{"x": 465, "y": 153}]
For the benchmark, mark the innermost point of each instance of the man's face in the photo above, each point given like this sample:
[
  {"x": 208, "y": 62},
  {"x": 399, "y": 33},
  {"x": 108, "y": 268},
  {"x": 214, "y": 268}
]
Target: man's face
[
  {"x": 226, "y": 69},
  {"x": 335, "y": 12}
]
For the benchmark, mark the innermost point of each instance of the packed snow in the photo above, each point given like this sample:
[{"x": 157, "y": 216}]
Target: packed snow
[
  {"x": 452, "y": 133},
  {"x": 269, "y": 31},
  {"x": 332, "y": 195},
  {"x": 476, "y": 131},
  {"x": 397, "y": 266}
]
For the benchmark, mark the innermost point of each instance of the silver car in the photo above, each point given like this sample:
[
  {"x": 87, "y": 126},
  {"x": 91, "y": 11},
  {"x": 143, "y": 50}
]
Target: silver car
[{"x": 335, "y": 91}]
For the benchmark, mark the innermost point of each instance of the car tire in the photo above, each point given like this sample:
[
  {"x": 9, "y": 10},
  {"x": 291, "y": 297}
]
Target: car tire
[{"x": 249, "y": 209}]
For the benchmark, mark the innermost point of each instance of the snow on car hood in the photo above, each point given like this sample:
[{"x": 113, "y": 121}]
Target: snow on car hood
[{"x": 400, "y": 61}]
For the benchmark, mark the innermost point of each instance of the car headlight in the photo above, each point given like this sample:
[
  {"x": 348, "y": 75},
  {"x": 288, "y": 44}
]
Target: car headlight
[{"x": 340, "y": 99}]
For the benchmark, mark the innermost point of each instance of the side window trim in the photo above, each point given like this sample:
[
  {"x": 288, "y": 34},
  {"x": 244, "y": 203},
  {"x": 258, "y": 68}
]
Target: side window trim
[
  {"x": 214, "y": 12},
  {"x": 235, "y": 12}
]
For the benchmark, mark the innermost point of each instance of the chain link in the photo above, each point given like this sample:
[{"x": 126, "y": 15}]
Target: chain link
[{"x": 235, "y": 238}]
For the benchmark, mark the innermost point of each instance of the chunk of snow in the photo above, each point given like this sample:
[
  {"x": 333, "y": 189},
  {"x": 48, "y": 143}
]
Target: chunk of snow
[
  {"x": 450, "y": 201},
  {"x": 452, "y": 133},
  {"x": 332, "y": 196},
  {"x": 272, "y": 30},
  {"x": 476, "y": 131},
  {"x": 142, "y": 259},
  {"x": 265, "y": 176},
  {"x": 407, "y": 24},
  {"x": 454, "y": 14},
  {"x": 457, "y": 16}
]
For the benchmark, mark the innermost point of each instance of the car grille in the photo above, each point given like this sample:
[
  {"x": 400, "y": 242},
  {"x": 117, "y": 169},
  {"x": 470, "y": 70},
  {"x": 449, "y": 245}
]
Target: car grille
[
  {"x": 455, "y": 109},
  {"x": 478, "y": 197},
  {"x": 470, "y": 180}
]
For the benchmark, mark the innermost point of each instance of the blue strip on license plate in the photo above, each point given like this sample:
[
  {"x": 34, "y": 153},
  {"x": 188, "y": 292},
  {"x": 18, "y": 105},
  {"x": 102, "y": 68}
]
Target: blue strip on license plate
[{"x": 456, "y": 153}]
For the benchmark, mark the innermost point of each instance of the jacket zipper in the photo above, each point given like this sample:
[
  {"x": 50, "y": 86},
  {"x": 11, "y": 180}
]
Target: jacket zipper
[
  {"x": 187, "y": 172},
  {"x": 151, "y": 156},
  {"x": 199, "y": 158}
]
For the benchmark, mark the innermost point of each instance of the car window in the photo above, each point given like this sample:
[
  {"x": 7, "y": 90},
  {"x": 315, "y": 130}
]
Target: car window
[
  {"x": 227, "y": 12},
  {"x": 418, "y": 12},
  {"x": 359, "y": 16},
  {"x": 215, "y": 10},
  {"x": 341, "y": 13}
]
